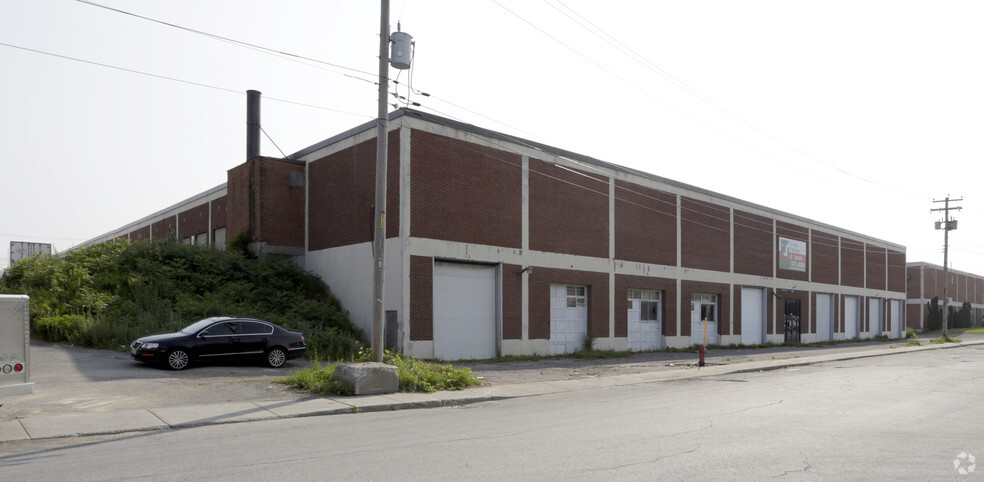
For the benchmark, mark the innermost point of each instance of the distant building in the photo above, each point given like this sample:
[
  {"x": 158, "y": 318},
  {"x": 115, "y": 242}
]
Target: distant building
[
  {"x": 924, "y": 282},
  {"x": 499, "y": 245},
  {"x": 23, "y": 249}
]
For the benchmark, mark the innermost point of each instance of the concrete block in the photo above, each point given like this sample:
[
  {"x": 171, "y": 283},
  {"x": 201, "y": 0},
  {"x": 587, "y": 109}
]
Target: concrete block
[{"x": 368, "y": 378}]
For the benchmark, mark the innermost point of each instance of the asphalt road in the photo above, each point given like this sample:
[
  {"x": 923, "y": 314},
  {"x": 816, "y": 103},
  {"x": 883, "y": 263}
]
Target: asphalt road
[{"x": 909, "y": 416}]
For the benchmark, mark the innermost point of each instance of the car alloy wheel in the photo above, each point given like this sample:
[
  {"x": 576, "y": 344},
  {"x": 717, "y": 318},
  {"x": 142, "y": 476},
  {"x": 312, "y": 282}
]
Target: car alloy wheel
[
  {"x": 276, "y": 357},
  {"x": 177, "y": 359}
]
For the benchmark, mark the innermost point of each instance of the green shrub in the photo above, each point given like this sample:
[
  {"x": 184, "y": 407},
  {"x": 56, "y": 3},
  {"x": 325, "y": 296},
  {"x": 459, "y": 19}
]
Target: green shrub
[
  {"x": 63, "y": 328},
  {"x": 911, "y": 333},
  {"x": 115, "y": 292}
]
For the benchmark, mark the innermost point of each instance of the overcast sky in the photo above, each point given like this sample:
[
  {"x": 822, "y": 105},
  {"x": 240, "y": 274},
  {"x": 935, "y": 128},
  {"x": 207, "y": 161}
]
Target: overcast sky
[{"x": 854, "y": 113}]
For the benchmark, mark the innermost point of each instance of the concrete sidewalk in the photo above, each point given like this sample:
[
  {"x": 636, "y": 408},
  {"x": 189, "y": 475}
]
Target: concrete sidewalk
[{"x": 660, "y": 369}]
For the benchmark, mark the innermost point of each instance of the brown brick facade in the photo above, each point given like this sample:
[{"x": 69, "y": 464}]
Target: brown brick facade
[
  {"x": 852, "y": 263},
  {"x": 706, "y": 231},
  {"x": 194, "y": 221},
  {"x": 512, "y": 302},
  {"x": 645, "y": 224},
  {"x": 343, "y": 193},
  {"x": 421, "y": 298},
  {"x": 877, "y": 265},
  {"x": 825, "y": 258},
  {"x": 753, "y": 244},
  {"x": 568, "y": 211},
  {"x": 465, "y": 192}
]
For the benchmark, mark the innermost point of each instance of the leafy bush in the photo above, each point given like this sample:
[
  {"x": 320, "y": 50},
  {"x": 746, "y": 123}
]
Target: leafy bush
[
  {"x": 911, "y": 333},
  {"x": 108, "y": 294}
]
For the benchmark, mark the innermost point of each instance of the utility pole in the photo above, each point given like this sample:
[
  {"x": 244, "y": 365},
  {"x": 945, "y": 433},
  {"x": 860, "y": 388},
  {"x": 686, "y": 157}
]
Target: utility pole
[
  {"x": 946, "y": 225},
  {"x": 382, "y": 138}
]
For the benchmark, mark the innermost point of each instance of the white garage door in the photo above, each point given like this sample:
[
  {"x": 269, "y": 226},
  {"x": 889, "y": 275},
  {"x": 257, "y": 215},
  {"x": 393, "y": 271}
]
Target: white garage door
[
  {"x": 464, "y": 311},
  {"x": 896, "y": 318},
  {"x": 874, "y": 316},
  {"x": 752, "y": 316},
  {"x": 825, "y": 317},
  {"x": 851, "y": 315},
  {"x": 568, "y": 318}
]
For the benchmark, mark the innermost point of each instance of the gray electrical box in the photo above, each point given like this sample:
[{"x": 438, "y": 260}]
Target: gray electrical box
[{"x": 15, "y": 345}]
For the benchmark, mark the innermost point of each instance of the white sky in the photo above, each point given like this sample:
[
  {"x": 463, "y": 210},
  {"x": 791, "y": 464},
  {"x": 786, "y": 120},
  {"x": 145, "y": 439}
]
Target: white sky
[{"x": 853, "y": 113}]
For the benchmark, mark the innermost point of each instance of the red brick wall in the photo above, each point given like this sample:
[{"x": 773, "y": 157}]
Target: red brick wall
[
  {"x": 238, "y": 201},
  {"x": 913, "y": 284},
  {"x": 465, "y": 192},
  {"x": 219, "y": 213},
  {"x": 875, "y": 275},
  {"x": 165, "y": 228},
  {"x": 142, "y": 233},
  {"x": 281, "y": 206},
  {"x": 421, "y": 298},
  {"x": 852, "y": 263},
  {"x": 914, "y": 315},
  {"x": 568, "y": 211},
  {"x": 645, "y": 225},
  {"x": 688, "y": 288},
  {"x": 667, "y": 287},
  {"x": 753, "y": 244},
  {"x": 512, "y": 302},
  {"x": 193, "y": 221},
  {"x": 797, "y": 233},
  {"x": 896, "y": 271},
  {"x": 343, "y": 191},
  {"x": 540, "y": 281},
  {"x": 826, "y": 258},
  {"x": 706, "y": 234}
]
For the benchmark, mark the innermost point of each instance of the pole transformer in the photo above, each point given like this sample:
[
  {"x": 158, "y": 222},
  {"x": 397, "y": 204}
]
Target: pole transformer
[{"x": 946, "y": 225}]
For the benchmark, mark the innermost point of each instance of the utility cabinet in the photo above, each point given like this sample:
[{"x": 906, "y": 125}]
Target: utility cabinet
[{"x": 15, "y": 345}]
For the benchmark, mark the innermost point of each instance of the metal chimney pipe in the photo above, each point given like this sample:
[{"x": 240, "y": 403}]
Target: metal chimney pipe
[{"x": 252, "y": 124}]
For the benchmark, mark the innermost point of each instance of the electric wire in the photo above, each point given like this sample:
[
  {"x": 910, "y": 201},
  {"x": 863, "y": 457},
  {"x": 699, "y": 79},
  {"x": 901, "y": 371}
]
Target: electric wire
[{"x": 173, "y": 79}]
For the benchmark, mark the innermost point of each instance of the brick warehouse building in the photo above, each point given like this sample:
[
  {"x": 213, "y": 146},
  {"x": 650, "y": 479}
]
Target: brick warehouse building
[
  {"x": 498, "y": 245},
  {"x": 925, "y": 281}
]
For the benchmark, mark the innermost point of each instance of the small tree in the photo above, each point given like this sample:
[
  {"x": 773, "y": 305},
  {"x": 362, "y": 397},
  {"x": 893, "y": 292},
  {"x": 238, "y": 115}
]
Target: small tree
[{"x": 934, "y": 314}]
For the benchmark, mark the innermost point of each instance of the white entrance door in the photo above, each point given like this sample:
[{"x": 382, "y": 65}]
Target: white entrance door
[
  {"x": 874, "y": 316},
  {"x": 703, "y": 307},
  {"x": 464, "y": 311},
  {"x": 568, "y": 318},
  {"x": 752, "y": 316},
  {"x": 825, "y": 318},
  {"x": 851, "y": 317},
  {"x": 645, "y": 320},
  {"x": 896, "y": 318}
]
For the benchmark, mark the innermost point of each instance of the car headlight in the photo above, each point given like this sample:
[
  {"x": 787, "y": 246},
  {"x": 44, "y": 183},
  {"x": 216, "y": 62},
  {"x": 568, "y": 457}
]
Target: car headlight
[{"x": 149, "y": 346}]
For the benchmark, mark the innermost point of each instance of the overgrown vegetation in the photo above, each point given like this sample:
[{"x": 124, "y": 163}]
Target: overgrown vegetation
[
  {"x": 956, "y": 318},
  {"x": 415, "y": 376},
  {"x": 106, "y": 295},
  {"x": 945, "y": 339}
]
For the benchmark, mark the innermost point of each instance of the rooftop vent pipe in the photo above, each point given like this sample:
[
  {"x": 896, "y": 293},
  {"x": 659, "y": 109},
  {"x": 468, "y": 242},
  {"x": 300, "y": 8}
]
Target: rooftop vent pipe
[{"x": 252, "y": 124}]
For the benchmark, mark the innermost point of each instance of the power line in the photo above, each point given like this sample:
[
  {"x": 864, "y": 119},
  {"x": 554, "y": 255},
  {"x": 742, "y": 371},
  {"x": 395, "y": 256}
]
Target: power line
[{"x": 173, "y": 79}]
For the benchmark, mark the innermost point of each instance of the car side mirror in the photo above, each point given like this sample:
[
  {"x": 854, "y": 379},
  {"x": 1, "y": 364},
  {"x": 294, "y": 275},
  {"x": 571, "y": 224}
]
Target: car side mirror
[{"x": 203, "y": 334}]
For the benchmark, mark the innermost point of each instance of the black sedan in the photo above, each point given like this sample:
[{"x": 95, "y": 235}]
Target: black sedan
[{"x": 221, "y": 338}]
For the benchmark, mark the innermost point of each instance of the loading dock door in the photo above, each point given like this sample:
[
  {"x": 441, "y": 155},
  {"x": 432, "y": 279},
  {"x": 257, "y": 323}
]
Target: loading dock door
[
  {"x": 752, "y": 315},
  {"x": 464, "y": 311},
  {"x": 825, "y": 318},
  {"x": 896, "y": 318},
  {"x": 875, "y": 316},
  {"x": 568, "y": 318},
  {"x": 851, "y": 317}
]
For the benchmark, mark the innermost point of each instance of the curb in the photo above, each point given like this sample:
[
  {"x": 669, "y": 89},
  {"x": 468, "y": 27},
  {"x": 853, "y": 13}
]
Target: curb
[{"x": 189, "y": 416}]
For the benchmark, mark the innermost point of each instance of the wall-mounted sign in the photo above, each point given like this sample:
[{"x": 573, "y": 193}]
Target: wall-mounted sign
[{"x": 792, "y": 254}]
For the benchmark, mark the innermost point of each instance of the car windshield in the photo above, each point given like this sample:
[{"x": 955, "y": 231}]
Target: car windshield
[{"x": 201, "y": 325}]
